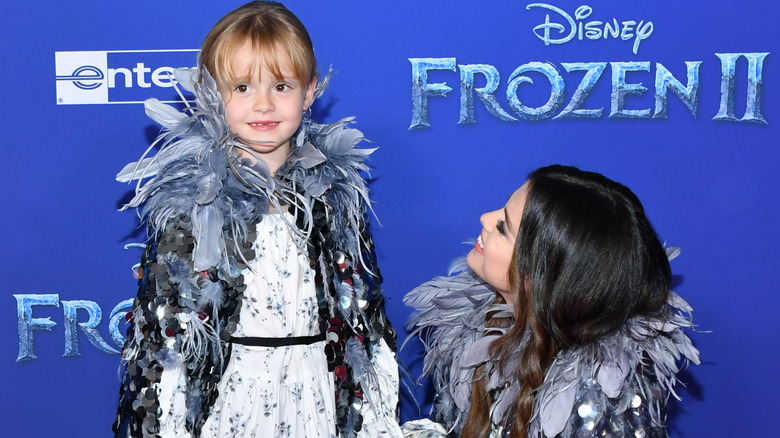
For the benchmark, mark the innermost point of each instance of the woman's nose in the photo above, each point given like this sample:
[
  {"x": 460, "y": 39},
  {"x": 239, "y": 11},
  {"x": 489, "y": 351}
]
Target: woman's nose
[
  {"x": 484, "y": 219},
  {"x": 489, "y": 220}
]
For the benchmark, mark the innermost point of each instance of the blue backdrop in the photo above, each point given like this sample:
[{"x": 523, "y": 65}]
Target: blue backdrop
[{"x": 678, "y": 100}]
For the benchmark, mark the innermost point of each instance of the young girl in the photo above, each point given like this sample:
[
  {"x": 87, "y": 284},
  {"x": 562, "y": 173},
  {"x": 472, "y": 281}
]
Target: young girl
[
  {"x": 259, "y": 311},
  {"x": 563, "y": 325}
]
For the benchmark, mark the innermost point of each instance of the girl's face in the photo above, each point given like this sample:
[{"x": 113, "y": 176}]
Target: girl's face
[
  {"x": 492, "y": 254},
  {"x": 263, "y": 111}
]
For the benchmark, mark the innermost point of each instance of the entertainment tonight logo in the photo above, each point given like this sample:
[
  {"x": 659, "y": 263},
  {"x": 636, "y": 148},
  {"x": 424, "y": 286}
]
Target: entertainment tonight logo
[{"x": 119, "y": 76}]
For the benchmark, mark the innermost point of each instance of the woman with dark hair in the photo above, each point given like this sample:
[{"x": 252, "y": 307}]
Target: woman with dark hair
[{"x": 563, "y": 324}]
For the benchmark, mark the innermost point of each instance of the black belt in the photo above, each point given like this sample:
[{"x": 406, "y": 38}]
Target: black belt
[{"x": 277, "y": 342}]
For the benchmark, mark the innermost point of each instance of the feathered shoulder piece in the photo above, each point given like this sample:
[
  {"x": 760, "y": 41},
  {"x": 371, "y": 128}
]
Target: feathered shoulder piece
[
  {"x": 198, "y": 176},
  {"x": 326, "y": 165},
  {"x": 449, "y": 318},
  {"x": 618, "y": 385}
]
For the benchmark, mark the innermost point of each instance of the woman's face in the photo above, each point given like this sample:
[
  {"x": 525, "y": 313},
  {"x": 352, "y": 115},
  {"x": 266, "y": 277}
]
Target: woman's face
[{"x": 492, "y": 254}]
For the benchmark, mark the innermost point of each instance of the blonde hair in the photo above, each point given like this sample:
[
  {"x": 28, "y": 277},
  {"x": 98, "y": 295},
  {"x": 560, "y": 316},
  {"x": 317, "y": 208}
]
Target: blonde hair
[{"x": 273, "y": 32}]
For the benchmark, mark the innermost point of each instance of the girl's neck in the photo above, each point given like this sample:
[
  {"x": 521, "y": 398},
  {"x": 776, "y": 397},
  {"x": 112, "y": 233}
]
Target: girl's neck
[{"x": 274, "y": 160}]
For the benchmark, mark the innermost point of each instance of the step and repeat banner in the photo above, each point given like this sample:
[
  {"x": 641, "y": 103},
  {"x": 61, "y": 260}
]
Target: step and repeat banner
[{"x": 678, "y": 100}]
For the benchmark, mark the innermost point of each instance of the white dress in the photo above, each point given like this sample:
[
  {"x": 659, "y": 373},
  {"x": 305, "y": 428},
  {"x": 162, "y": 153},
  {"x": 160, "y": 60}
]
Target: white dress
[{"x": 281, "y": 391}]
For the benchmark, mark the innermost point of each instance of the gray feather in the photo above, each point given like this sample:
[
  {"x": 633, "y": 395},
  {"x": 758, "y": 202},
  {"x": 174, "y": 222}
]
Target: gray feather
[
  {"x": 612, "y": 373},
  {"x": 207, "y": 231},
  {"x": 147, "y": 167},
  {"x": 208, "y": 187},
  {"x": 166, "y": 115}
]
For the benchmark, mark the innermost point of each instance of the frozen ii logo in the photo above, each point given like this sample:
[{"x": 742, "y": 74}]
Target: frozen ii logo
[
  {"x": 29, "y": 324},
  {"x": 583, "y": 25}
]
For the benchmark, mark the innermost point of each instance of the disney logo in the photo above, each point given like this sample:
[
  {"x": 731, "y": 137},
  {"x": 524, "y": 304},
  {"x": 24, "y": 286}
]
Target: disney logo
[{"x": 568, "y": 27}]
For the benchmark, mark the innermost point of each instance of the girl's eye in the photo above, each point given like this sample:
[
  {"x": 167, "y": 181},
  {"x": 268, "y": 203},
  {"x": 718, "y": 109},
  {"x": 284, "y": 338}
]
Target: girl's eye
[
  {"x": 281, "y": 87},
  {"x": 242, "y": 88},
  {"x": 501, "y": 228}
]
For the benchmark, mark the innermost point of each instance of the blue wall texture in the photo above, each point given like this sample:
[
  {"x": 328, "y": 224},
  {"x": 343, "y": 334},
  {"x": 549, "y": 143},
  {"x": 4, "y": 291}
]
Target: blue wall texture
[{"x": 678, "y": 100}]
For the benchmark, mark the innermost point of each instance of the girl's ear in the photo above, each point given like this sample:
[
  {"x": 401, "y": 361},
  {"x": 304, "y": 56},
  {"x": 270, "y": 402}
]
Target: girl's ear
[{"x": 307, "y": 101}]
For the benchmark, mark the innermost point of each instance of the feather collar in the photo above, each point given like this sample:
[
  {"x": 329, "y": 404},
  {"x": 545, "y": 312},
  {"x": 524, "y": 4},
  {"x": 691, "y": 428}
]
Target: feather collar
[
  {"x": 198, "y": 174},
  {"x": 449, "y": 317}
]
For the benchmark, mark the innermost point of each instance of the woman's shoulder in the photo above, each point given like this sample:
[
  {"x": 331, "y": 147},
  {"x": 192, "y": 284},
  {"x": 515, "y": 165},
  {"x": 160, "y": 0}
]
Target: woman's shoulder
[{"x": 629, "y": 374}]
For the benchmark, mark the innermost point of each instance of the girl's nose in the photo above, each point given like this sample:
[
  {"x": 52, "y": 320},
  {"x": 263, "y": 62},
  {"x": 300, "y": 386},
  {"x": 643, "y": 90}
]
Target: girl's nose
[{"x": 262, "y": 103}]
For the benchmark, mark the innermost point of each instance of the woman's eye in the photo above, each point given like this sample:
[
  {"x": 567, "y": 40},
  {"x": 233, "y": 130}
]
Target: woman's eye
[{"x": 500, "y": 227}]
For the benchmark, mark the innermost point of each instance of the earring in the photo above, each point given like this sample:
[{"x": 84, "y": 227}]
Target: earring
[{"x": 307, "y": 113}]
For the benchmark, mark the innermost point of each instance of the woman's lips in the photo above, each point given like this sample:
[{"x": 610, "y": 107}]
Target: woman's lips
[{"x": 478, "y": 246}]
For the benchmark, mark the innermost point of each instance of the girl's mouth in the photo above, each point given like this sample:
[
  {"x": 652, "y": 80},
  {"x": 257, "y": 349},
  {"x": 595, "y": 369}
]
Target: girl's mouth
[{"x": 263, "y": 126}]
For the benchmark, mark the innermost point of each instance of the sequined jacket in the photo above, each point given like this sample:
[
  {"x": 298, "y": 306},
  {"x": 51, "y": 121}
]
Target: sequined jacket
[
  {"x": 617, "y": 387},
  {"x": 202, "y": 206}
]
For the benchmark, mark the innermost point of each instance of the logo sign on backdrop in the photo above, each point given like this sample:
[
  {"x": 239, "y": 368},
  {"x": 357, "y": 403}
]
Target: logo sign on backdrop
[
  {"x": 118, "y": 76},
  {"x": 28, "y": 324},
  {"x": 559, "y": 27}
]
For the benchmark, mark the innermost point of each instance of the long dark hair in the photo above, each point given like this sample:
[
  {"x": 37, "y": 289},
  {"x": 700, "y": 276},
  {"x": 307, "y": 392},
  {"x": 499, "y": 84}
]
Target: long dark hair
[{"x": 586, "y": 261}]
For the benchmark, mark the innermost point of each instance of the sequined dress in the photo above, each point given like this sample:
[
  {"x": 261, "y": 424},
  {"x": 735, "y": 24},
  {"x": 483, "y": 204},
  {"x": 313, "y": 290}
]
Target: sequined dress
[{"x": 277, "y": 391}]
